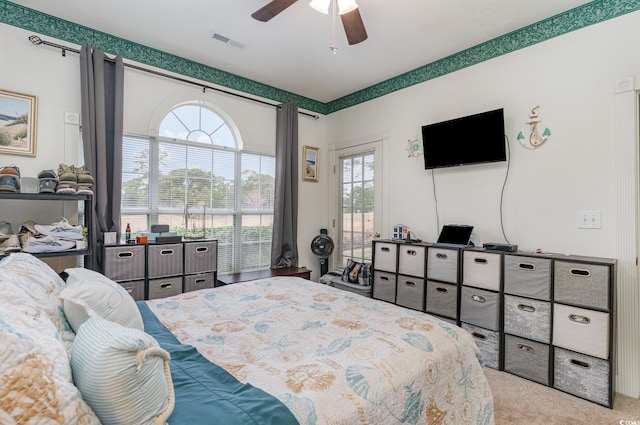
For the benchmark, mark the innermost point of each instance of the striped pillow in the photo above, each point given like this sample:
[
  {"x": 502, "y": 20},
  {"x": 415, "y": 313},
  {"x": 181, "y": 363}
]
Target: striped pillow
[{"x": 122, "y": 373}]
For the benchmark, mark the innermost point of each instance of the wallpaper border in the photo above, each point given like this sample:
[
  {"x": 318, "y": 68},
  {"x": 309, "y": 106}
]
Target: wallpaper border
[{"x": 571, "y": 20}]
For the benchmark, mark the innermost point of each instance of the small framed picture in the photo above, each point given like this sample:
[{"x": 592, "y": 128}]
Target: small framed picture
[
  {"x": 310, "y": 164},
  {"x": 18, "y": 122}
]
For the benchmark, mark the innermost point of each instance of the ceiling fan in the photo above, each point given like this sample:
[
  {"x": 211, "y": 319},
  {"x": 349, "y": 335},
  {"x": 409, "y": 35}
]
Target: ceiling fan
[{"x": 348, "y": 9}]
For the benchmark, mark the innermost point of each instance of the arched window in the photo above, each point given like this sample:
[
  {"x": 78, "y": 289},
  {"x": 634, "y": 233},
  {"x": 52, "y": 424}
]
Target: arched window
[{"x": 195, "y": 178}]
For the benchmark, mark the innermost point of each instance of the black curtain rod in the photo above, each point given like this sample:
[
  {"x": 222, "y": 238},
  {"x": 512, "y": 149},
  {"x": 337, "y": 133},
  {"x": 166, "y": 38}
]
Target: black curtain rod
[{"x": 34, "y": 39}]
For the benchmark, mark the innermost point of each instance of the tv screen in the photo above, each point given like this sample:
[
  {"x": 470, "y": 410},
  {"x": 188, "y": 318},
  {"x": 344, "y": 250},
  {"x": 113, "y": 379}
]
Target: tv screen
[{"x": 472, "y": 139}]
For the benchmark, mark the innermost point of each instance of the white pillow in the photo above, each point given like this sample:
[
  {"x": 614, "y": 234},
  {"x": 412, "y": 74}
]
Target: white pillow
[
  {"x": 90, "y": 292},
  {"x": 122, "y": 373}
]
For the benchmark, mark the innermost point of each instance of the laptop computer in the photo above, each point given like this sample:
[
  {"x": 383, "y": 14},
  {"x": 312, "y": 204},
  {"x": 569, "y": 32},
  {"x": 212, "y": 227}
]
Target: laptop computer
[{"x": 455, "y": 235}]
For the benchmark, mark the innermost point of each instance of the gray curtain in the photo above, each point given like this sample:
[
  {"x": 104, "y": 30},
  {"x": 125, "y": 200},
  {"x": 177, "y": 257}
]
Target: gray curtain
[
  {"x": 102, "y": 90},
  {"x": 284, "y": 246}
]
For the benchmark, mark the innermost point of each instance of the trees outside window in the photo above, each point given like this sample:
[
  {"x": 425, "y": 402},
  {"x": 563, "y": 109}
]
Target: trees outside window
[{"x": 194, "y": 178}]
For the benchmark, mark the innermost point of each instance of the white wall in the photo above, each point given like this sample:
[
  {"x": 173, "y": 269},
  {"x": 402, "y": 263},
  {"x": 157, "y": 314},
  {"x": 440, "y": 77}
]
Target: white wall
[
  {"x": 42, "y": 71},
  {"x": 573, "y": 79}
]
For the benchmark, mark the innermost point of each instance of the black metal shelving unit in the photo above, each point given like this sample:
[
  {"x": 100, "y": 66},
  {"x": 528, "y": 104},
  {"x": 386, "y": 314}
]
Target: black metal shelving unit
[{"x": 88, "y": 219}]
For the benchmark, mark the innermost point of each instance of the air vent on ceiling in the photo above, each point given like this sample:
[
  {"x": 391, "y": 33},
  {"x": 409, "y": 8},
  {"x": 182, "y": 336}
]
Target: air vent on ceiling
[{"x": 226, "y": 40}]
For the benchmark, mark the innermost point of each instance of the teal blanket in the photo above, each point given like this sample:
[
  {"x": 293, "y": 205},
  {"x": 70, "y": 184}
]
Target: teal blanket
[{"x": 207, "y": 394}]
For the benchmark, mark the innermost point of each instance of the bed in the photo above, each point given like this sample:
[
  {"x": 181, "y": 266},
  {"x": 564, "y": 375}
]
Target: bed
[{"x": 272, "y": 351}]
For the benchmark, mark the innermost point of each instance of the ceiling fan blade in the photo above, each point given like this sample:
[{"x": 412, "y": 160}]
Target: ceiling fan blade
[
  {"x": 271, "y": 9},
  {"x": 354, "y": 27}
]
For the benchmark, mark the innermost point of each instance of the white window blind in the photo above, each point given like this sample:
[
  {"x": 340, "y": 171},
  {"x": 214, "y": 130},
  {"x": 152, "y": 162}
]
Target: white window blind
[{"x": 199, "y": 184}]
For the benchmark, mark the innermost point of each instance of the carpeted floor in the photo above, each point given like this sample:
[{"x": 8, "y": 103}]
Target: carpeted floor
[{"x": 520, "y": 401}]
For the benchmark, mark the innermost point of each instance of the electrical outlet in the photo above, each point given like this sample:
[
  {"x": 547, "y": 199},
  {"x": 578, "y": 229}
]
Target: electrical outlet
[{"x": 589, "y": 220}]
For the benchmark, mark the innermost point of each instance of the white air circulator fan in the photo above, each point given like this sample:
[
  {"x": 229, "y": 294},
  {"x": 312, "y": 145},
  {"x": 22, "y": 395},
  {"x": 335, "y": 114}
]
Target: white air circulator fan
[{"x": 322, "y": 246}]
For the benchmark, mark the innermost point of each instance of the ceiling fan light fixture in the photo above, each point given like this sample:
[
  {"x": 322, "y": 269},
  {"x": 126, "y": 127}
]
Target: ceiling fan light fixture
[
  {"x": 346, "y": 6},
  {"x": 321, "y": 6}
]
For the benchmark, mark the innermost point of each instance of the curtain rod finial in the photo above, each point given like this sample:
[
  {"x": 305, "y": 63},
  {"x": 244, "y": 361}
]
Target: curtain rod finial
[{"x": 34, "y": 39}]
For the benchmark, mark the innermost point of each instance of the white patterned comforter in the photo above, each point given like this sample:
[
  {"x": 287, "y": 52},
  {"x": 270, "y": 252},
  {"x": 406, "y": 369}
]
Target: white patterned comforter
[{"x": 333, "y": 357}]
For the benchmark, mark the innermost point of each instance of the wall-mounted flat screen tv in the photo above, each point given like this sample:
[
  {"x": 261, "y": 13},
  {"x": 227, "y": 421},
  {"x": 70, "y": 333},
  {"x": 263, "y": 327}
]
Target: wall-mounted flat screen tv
[{"x": 473, "y": 139}]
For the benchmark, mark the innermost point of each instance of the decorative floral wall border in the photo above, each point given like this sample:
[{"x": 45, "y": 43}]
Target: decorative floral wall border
[{"x": 589, "y": 14}]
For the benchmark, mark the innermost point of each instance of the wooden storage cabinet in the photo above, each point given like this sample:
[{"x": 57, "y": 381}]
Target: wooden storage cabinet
[
  {"x": 149, "y": 271},
  {"x": 418, "y": 276},
  {"x": 546, "y": 318}
]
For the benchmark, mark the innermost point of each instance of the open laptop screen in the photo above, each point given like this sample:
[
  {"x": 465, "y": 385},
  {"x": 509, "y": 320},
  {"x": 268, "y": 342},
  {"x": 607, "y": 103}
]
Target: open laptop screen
[{"x": 455, "y": 234}]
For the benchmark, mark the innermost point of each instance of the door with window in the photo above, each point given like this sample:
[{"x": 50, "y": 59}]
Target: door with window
[{"x": 359, "y": 195}]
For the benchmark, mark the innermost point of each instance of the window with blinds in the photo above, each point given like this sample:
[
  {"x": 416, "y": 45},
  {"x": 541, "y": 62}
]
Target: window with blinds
[
  {"x": 193, "y": 178},
  {"x": 356, "y": 204}
]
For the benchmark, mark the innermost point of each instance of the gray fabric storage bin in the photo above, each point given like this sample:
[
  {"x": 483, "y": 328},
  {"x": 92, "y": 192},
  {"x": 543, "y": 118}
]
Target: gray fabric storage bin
[
  {"x": 527, "y": 276},
  {"x": 410, "y": 292},
  {"x": 442, "y": 299},
  {"x": 124, "y": 262},
  {"x": 442, "y": 264},
  {"x": 364, "y": 290},
  {"x": 582, "y": 375},
  {"x": 481, "y": 269},
  {"x": 135, "y": 288},
  {"x": 384, "y": 286},
  {"x": 167, "y": 287},
  {"x": 488, "y": 342},
  {"x": 526, "y": 358},
  {"x": 527, "y": 318},
  {"x": 582, "y": 284},
  {"x": 411, "y": 260},
  {"x": 164, "y": 259},
  {"x": 480, "y": 307},
  {"x": 200, "y": 256},
  {"x": 199, "y": 281},
  {"x": 385, "y": 256}
]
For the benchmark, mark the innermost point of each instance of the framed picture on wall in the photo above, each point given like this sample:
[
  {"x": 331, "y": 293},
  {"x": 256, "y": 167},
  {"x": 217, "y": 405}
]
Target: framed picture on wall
[
  {"x": 310, "y": 164},
  {"x": 18, "y": 119}
]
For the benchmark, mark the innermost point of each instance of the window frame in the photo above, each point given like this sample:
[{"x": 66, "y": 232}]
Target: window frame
[{"x": 153, "y": 210}]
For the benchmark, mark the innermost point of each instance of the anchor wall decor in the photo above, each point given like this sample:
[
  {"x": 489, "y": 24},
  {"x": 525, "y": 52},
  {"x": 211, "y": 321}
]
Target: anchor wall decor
[{"x": 535, "y": 139}]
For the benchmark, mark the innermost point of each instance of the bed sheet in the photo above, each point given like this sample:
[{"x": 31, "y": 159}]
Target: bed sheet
[{"x": 334, "y": 357}]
